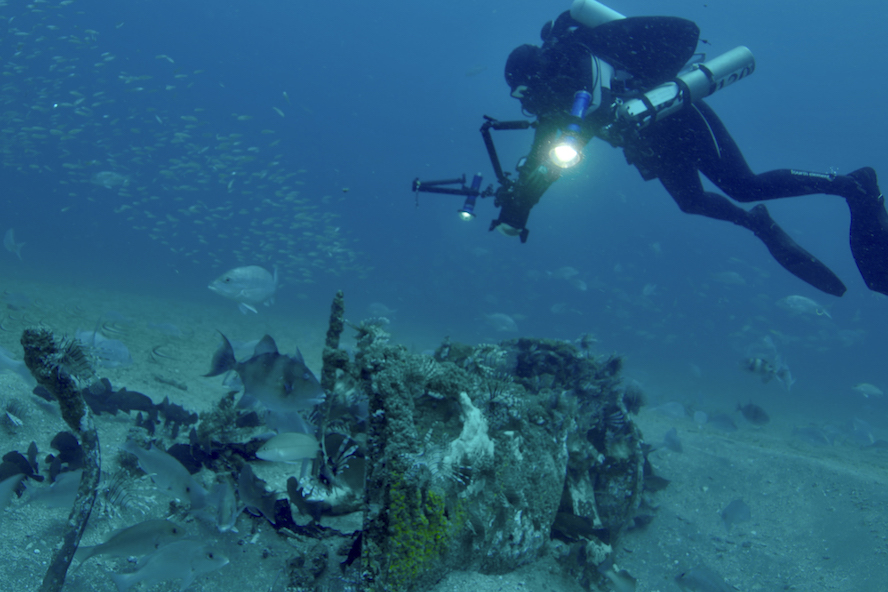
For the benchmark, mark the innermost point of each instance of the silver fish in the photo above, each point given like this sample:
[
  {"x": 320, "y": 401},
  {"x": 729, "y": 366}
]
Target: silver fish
[
  {"x": 289, "y": 447},
  {"x": 803, "y": 305},
  {"x": 181, "y": 560},
  {"x": 7, "y": 488},
  {"x": 110, "y": 353},
  {"x": 563, "y": 273},
  {"x": 249, "y": 286},
  {"x": 729, "y": 278},
  {"x": 578, "y": 284},
  {"x": 227, "y": 507},
  {"x": 11, "y": 245},
  {"x": 168, "y": 474},
  {"x": 502, "y": 322},
  {"x": 136, "y": 540},
  {"x": 109, "y": 179},
  {"x": 867, "y": 390},
  {"x": 60, "y": 494}
]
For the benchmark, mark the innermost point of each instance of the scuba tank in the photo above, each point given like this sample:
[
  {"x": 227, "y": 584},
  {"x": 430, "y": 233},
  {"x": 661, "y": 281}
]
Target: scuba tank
[
  {"x": 592, "y": 13},
  {"x": 699, "y": 82}
]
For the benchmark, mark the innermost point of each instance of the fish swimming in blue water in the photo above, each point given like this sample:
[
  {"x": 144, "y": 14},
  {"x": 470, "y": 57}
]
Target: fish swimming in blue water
[
  {"x": 11, "y": 245},
  {"x": 502, "y": 322},
  {"x": 109, "y": 179},
  {"x": 802, "y": 305},
  {"x": 249, "y": 286}
]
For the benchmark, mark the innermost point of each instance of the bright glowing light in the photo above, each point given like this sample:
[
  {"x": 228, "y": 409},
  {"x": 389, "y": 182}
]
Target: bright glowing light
[
  {"x": 466, "y": 215},
  {"x": 564, "y": 155}
]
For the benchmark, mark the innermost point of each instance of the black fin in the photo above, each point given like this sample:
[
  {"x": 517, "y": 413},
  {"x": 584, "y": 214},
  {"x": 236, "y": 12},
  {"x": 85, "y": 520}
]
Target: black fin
[
  {"x": 266, "y": 345},
  {"x": 869, "y": 231},
  {"x": 793, "y": 257},
  {"x": 223, "y": 359}
]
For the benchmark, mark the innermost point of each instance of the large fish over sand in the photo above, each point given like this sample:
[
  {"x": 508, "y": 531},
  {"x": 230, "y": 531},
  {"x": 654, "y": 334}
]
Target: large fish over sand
[
  {"x": 282, "y": 383},
  {"x": 249, "y": 286}
]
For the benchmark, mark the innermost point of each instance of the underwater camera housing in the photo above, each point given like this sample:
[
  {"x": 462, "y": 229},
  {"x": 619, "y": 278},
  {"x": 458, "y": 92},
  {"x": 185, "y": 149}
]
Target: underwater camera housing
[{"x": 457, "y": 186}]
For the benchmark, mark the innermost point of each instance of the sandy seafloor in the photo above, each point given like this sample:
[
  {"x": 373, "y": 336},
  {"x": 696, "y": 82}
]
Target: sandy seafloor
[{"x": 818, "y": 512}]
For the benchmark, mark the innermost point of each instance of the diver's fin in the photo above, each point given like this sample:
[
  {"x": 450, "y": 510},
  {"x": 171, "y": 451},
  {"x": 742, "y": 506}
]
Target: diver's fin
[
  {"x": 791, "y": 256},
  {"x": 869, "y": 230}
]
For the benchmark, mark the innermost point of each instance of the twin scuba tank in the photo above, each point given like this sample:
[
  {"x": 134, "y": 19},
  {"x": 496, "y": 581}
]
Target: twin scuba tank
[{"x": 698, "y": 81}]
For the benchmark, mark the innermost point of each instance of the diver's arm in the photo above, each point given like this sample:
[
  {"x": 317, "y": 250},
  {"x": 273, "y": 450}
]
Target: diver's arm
[{"x": 535, "y": 175}]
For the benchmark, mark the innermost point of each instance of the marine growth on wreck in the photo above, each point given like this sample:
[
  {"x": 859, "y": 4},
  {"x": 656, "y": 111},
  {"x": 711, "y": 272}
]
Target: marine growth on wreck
[{"x": 407, "y": 466}]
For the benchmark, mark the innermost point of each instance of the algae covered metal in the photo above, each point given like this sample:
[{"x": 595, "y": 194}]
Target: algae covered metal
[{"x": 487, "y": 458}]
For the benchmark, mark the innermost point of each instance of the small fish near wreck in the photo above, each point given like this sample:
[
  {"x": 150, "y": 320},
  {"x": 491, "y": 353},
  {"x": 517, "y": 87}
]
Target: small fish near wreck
[
  {"x": 753, "y": 414},
  {"x": 249, "y": 286},
  {"x": 139, "y": 539},
  {"x": 181, "y": 560},
  {"x": 289, "y": 447}
]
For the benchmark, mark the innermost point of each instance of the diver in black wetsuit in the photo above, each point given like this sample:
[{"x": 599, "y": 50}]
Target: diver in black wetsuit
[{"x": 625, "y": 57}]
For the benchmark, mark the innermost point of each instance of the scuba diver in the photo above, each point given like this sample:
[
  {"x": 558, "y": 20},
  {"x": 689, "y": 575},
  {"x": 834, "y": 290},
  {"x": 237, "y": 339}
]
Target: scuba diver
[{"x": 598, "y": 73}]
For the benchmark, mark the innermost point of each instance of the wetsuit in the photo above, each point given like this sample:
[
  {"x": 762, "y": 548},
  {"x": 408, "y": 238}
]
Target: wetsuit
[{"x": 676, "y": 150}]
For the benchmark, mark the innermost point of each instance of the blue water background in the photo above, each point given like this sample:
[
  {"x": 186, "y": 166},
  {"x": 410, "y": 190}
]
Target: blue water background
[{"x": 381, "y": 93}]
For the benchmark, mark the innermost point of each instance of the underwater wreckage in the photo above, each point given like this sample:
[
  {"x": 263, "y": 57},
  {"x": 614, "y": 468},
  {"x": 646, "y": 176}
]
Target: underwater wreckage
[
  {"x": 482, "y": 458},
  {"x": 489, "y": 457}
]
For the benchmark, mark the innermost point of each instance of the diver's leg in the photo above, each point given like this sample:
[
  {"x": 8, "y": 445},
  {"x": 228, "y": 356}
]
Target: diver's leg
[
  {"x": 684, "y": 185},
  {"x": 720, "y": 159},
  {"x": 723, "y": 163},
  {"x": 869, "y": 220},
  {"x": 869, "y": 230}
]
